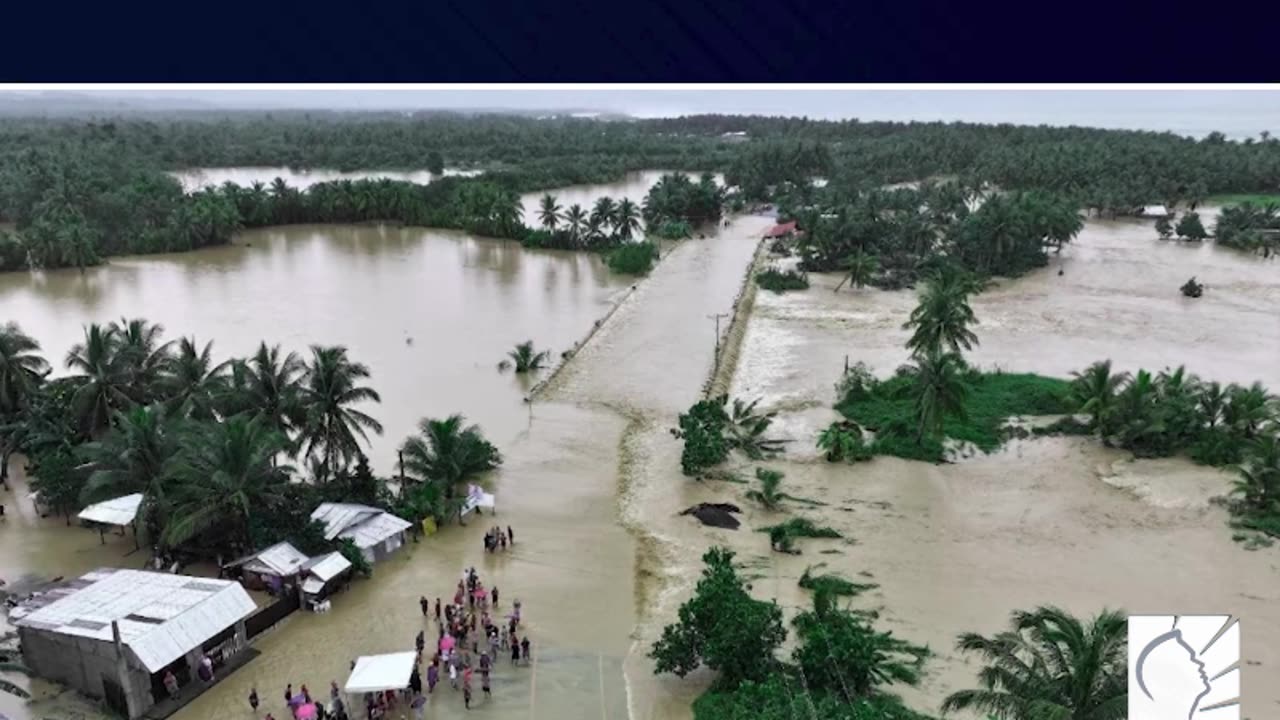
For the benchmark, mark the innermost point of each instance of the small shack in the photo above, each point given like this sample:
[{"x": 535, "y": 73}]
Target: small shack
[
  {"x": 114, "y": 634},
  {"x": 322, "y": 575},
  {"x": 375, "y": 532},
  {"x": 1154, "y": 211},
  {"x": 781, "y": 231},
  {"x": 118, "y": 512},
  {"x": 275, "y": 568}
]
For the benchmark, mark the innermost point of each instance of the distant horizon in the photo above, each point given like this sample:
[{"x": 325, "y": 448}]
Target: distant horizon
[{"x": 1236, "y": 113}]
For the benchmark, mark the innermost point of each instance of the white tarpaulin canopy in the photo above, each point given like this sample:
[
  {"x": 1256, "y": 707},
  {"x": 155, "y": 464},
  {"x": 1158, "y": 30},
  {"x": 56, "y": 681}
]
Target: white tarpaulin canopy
[
  {"x": 118, "y": 511},
  {"x": 478, "y": 498},
  {"x": 381, "y": 672}
]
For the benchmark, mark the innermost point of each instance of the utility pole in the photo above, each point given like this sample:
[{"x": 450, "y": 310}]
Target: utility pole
[{"x": 717, "y": 317}]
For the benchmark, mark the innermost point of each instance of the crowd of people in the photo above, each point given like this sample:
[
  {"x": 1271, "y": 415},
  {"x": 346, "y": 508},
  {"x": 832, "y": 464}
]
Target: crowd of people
[{"x": 471, "y": 639}]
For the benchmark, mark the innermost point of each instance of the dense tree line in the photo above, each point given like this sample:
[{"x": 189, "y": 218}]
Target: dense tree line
[
  {"x": 1250, "y": 226},
  {"x": 676, "y": 198},
  {"x": 81, "y": 190},
  {"x": 890, "y": 237},
  {"x": 210, "y": 444}
]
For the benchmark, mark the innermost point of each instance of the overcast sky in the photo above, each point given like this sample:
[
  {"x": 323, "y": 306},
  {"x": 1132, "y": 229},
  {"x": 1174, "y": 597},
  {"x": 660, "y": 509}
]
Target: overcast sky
[{"x": 1235, "y": 112}]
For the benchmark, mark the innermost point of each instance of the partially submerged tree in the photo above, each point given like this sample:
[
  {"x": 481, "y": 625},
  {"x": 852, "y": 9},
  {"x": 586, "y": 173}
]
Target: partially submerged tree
[
  {"x": 768, "y": 495},
  {"x": 721, "y": 627},
  {"x": 1191, "y": 228},
  {"x": 524, "y": 358}
]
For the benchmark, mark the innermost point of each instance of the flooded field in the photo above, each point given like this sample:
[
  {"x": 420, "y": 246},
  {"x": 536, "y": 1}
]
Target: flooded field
[
  {"x": 592, "y": 484},
  {"x": 1059, "y": 521}
]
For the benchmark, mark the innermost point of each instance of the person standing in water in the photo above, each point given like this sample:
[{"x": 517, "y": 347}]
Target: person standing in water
[
  {"x": 524, "y": 649},
  {"x": 425, "y": 604},
  {"x": 253, "y": 699},
  {"x": 437, "y": 610},
  {"x": 511, "y": 536},
  {"x": 515, "y": 649}
]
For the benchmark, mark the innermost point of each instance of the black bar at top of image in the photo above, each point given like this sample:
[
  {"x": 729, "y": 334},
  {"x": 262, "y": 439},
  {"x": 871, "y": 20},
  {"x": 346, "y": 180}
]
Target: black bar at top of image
[{"x": 641, "y": 41}]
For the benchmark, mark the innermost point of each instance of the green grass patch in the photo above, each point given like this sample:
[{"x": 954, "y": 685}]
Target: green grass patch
[
  {"x": 1241, "y": 198},
  {"x": 888, "y": 408},
  {"x": 832, "y": 583},
  {"x": 777, "y": 280}
]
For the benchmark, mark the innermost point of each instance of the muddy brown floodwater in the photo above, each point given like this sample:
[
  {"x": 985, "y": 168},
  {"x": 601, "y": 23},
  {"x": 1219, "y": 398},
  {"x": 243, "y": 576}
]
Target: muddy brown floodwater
[
  {"x": 463, "y": 302},
  {"x": 592, "y": 483},
  {"x": 1058, "y": 521}
]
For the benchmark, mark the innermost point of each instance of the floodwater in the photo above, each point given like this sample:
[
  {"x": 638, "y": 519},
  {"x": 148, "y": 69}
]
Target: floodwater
[
  {"x": 1059, "y": 521},
  {"x": 197, "y": 178},
  {"x": 463, "y": 302},
  {"x": 592, "y": 483}
]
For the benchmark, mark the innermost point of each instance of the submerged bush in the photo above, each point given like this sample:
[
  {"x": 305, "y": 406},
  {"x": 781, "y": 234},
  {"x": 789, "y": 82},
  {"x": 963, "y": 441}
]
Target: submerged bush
[
  {"x": 633, "y": 258},
  {"x": 776, "y": 280}
]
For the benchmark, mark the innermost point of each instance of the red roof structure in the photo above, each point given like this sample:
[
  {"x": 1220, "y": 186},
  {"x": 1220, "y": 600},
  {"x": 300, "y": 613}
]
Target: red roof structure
[{"x": 781, "y": 230}]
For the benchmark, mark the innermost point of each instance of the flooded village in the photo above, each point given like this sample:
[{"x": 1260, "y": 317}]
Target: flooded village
[{"x": 583, "y": 483}]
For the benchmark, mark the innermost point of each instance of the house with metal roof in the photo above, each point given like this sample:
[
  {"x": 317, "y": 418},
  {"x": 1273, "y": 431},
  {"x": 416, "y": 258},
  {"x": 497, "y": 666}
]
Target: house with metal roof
[
  {"x": 322, "y": 574},
  {"x": 273, "y": 568},
  {"x": 375, "y": 532},
  {"x": 115, "y": 634}
]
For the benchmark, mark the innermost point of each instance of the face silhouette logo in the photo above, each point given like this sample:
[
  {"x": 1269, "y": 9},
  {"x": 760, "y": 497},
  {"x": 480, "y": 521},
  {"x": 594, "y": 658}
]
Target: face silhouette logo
[{"x": 1184, "y": 667}]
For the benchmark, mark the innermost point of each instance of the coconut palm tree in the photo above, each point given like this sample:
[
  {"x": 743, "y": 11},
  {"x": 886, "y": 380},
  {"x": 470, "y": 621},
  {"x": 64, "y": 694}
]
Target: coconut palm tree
[
  {"x": 22, "y": 370},
  {"x": 225, "y": 473},
  {"x": 333, "y": 429},
  {"x": 859, "y": 267},
  {"x": 102, "y": 385},
  {"x": 1249, "y": 409},
  {"x": 593, "y": 232},
  {"x": 939, "y": 391},
  {"x": 1211, "y": 402},
  {"x": 549, "y": 212},
  {"x": 840, "y": 651},
  {"x": 525, "y": 359},
  {"x": 1049, "y": 665},
  {"x": 604, "y": 213},
  {"x": 141, "y": 355},
  {"x": 273, "y": 390},
  {"x": 769, "y": 496},
  {"x": 506, "y": 211},
  {"x": 448, "y": 453},
  {"x": 747, "y": 428},
  {"x": 576, "y": 219},
  {"x": 1095, "y": 390},
  {"x": 942, "y": 319},
  {"x": 191, "y": 383},
  {"x": 132, "y": 458},
  {"x": 626, "y": 219},
  {"x": 1259, "y": 481}
]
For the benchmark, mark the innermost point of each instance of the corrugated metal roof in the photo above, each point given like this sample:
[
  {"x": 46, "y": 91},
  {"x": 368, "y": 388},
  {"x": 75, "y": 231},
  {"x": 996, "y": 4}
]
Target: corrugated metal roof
[
  {"x": 340, "y": 516},
  {"x": 117, "y": 511},
  {"x": 161, "y": 616},
  {"x": 364, "y": 525},
  {"x": 312, "y": 586},
  {"x": 327, "y": 567},
  {"x": 281, "y": 559}
]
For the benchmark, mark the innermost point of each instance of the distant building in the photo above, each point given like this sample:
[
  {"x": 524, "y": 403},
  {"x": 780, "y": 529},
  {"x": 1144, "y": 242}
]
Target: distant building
[
  {"x": 114, "y": 634},
  {"x": 1154, "y": 211},
  {"x": 782, "y": 230},
  {"x": 376, "y": 533},
  {"x": 735, "y": 136}
]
